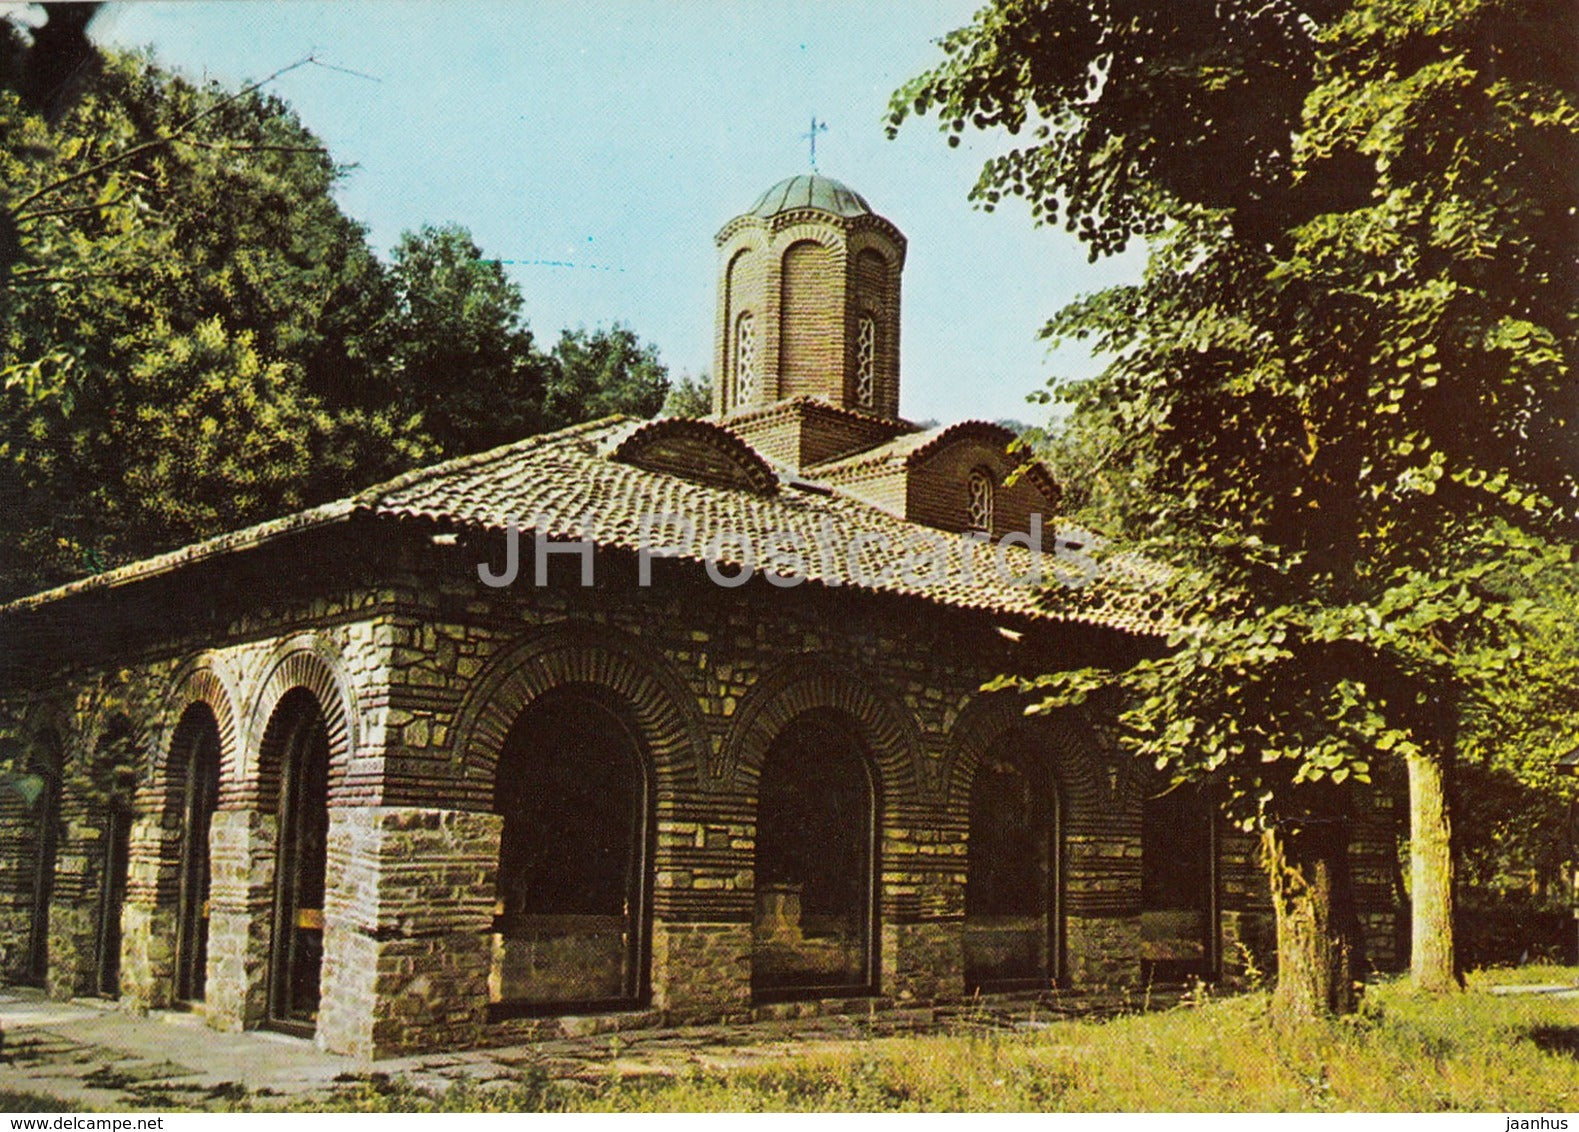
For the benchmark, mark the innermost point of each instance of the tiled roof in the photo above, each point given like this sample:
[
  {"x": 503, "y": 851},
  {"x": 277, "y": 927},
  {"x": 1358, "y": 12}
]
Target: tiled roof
[
  {"x": 906, "y": 451},
  {"x": 788, "y": 406},
  {"x": 572, "y": 482}
]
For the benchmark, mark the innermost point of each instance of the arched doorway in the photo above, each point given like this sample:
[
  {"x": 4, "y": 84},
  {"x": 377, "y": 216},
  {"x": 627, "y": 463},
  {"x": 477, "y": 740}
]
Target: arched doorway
[
  {"x": 569, "y": 922},
  {"x": 815, "y": 846},
  {"x": 44, "y": 760},
  {"x": 1012, "y": 879},
  {"x": 114, "y": 771},
  {"x": 296, "y": 742},
  {"x": 194, "y": 765},
  {"x": 1178, "y": 888}
]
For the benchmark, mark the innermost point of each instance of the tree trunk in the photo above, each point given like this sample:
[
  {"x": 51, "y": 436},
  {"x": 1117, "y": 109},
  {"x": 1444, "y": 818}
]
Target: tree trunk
[
  {"x": 1308, "y": 866},
  {"x": 1432, "y": 964}
]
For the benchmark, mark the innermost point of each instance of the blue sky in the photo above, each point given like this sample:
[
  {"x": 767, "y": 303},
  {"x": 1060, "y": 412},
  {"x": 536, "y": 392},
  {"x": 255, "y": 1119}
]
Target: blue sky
[{"x": 617, "y": 136}]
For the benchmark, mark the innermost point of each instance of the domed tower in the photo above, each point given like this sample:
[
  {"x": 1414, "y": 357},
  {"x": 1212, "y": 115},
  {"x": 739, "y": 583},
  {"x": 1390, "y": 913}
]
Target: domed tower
[{"x": 808, "y": 302}]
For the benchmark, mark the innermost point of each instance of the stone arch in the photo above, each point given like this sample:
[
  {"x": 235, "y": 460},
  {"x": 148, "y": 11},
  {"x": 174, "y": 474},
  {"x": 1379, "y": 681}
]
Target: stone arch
[
  {"x": 889, "y": 732},
  {"x": 661, "y": 706},
  {"x": 305, "y": 661},
  {"x": 988, "y": 718}
]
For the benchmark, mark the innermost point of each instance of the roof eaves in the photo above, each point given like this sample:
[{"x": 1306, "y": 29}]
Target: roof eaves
[{"x": 145, "y": 568}]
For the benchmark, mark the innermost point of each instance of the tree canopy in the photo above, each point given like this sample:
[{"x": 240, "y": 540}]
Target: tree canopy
[
  {"x": 194, "y": 336},
  {"x": 1344, "y": 389}
]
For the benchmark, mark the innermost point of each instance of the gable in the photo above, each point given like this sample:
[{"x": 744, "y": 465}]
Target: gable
[{"x": 694, "y": 450}]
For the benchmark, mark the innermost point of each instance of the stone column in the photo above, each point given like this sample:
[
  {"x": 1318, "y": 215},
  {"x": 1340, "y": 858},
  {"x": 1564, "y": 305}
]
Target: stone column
[
  {"x": 923, "y": 904},
  {"x": 702, "y": 908},
  {"x": 407, "y": 919},
  {"x": 148, "y": 919},
  {"x": 240, "y": 923}
]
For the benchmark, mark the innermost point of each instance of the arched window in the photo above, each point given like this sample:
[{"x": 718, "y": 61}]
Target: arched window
[
  {"x": 1178, "y": 887},
  {"x": 1012, "y": 871},
  {"x": 296, "y": 741},
  {"x": 812, "y": 934},
  {"x": 572, "y": 888},
  {"x": 194, "y": 763},
  {"x": 866, "y": 361},
  {"x": 979, "y": 504},
  {"x": 745, "y": 360}
]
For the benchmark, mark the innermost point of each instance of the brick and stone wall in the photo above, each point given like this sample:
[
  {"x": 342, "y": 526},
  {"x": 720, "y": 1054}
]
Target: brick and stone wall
[{"x": 419, "y": 671}]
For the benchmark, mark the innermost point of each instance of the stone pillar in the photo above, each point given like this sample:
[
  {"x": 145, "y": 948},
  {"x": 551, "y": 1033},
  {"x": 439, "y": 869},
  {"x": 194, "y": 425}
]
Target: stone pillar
[
  {"x": 148, "y": 919},
  {"x": 73, "y": 945},
  {"x": 703, "y": 901},
  {"x": 240, "y": 923},
  {"x": 701, "y": 970},
  {"x": 1102, "y": 950},
  {"x": 407, "y": 918},
  {"x": 923, "y": 905}
]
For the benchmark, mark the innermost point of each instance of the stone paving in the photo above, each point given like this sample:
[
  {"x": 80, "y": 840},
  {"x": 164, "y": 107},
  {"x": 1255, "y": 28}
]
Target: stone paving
[{"x": 92, "y": 1054}]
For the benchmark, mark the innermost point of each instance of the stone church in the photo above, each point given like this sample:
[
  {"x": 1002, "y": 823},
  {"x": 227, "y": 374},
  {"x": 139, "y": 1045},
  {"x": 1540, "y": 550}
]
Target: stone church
[{"x": 635, "y": 723}]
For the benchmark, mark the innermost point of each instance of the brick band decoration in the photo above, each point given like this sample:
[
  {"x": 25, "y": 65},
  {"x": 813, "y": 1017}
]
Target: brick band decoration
[
  {"x": 200, "y": 682},
  {"x": 304, "y": 661},
  {"x": 990, "y": 718},
  {"x": 664, "y": 712},
  {"x": 888, "y": 731}
]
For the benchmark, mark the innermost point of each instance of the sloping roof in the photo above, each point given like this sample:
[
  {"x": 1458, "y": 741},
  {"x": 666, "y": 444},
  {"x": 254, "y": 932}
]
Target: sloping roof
[
  {"x": 911, "y": 449},
  {"x": 571, "y": 483}
]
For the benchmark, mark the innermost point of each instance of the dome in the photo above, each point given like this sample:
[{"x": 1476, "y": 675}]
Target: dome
[{"x": 808, "y": 190}]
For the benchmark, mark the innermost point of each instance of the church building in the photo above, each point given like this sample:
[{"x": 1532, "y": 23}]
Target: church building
[{"x": 637, "y": 723}]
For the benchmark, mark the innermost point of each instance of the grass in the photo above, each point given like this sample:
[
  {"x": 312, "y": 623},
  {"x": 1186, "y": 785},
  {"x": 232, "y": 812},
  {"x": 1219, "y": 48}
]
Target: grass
[{"x": 1473, "y": 1052}]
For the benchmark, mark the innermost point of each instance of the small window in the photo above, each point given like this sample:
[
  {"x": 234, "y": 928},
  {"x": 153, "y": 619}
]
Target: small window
[
  {"x": 745, "y": 360},
  {"x": 979, "y": 506},
  {"x": 866, "y": 361}
]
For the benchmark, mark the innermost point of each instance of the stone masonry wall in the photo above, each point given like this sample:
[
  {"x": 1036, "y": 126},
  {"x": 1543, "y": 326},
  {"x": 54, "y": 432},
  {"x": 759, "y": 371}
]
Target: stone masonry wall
[{"x": 420, "y": 670}]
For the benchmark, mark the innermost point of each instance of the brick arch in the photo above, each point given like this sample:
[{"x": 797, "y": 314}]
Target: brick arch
[
  {"x": 661, "y": 707},
  {"x": 1082, "y": 784},
  {"x": 199, "y": 682},
  {"x": 889, "y": 732},
  {"x": 309, "y": 662}
]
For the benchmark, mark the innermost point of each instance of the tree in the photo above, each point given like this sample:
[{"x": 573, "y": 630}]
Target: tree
[
  {"x": 689, "y": 397},
  {"x": 1360, "y": 239},
  {"x": 601, "y": 372},
  {"x": 462, "y": 355},
  {"x": 181, "y": 259}
]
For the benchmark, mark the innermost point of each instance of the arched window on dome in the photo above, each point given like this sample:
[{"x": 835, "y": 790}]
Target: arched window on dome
[
  {"x": 979, "y": 503},
  {"x": 866, "y": 361},
  {"x": 745, "y": 359}
]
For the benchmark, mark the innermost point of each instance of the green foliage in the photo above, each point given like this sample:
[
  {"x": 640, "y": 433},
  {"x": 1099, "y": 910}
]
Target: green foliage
[
  {"x": 184, "y": 342},
  {"x": 194, "y": 336},
  {"x": 690, "y": 397},
  {"x": 462, "y": 355},
  {"x": 601, "y": 372},
  {"x": 1342, "y": 398}
]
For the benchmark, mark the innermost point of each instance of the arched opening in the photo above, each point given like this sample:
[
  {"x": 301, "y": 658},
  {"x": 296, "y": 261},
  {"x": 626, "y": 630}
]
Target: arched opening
[
  {"x": 815, "y": 845},
  {"x": 296, "y": 741},
  {"x": 572, "y": 787},
  {"x": 1178, "y": 887},
  {"x": 1012, "y": 879},
  {"x": 194, "y": 768},
  {"x": 44, "y": 760},
  {"x": 113, "y": 779}
]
